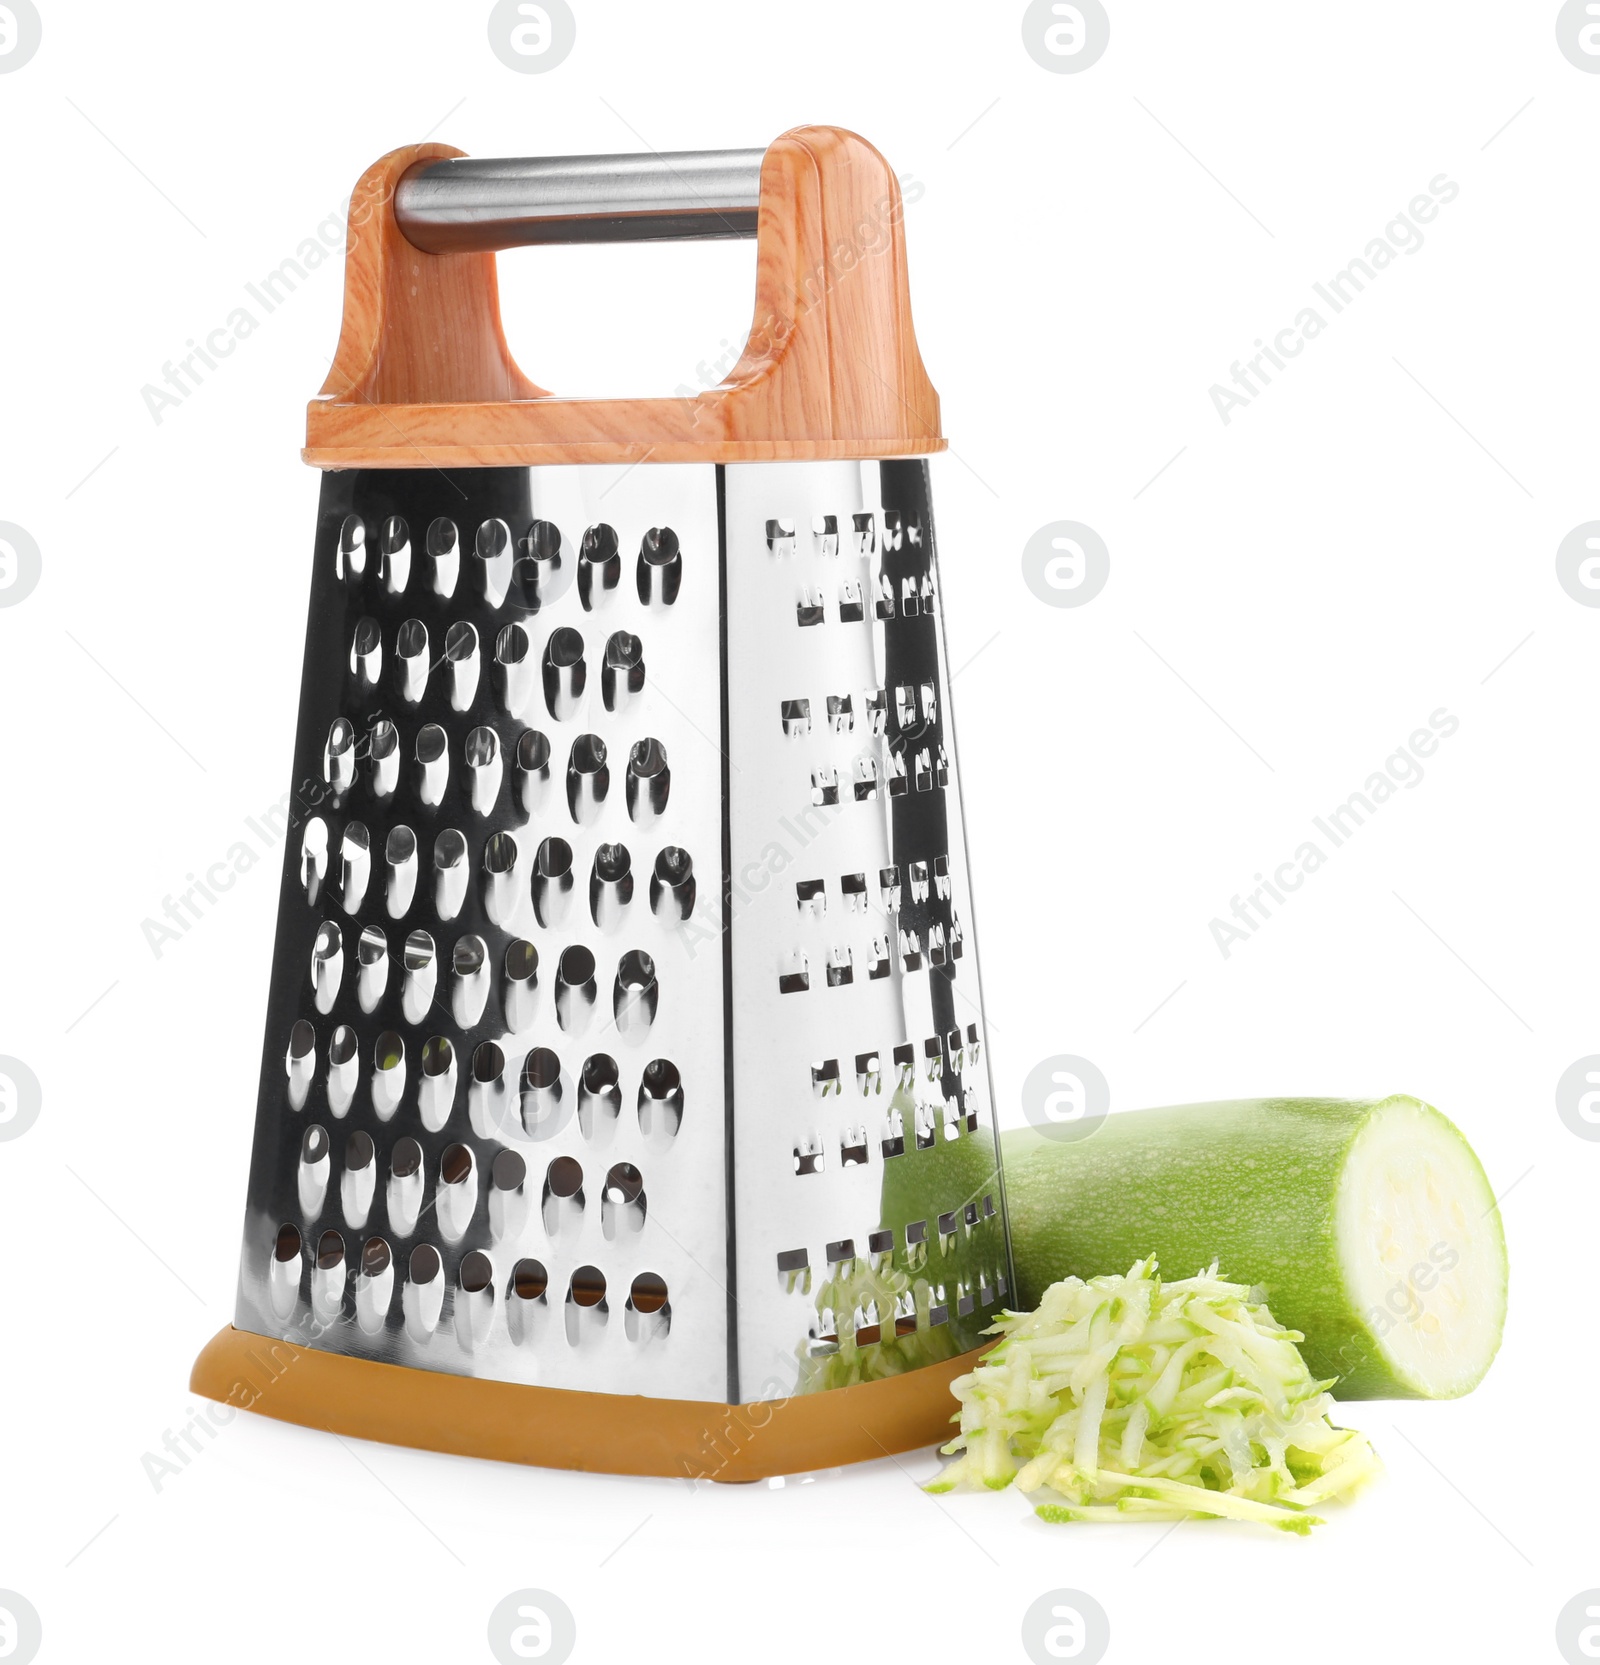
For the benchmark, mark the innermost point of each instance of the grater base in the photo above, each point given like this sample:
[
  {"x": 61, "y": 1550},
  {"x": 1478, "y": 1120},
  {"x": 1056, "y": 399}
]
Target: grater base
[{"x": 563, "y": 1428}]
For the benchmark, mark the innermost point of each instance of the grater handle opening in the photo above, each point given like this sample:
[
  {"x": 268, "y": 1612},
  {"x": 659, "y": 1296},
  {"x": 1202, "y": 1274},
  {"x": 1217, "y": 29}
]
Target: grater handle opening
[{"x": 474, "y": 203}]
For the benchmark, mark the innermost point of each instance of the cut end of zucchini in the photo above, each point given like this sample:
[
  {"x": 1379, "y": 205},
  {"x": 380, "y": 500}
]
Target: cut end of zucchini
[{"x": 1422, "y": 1249}]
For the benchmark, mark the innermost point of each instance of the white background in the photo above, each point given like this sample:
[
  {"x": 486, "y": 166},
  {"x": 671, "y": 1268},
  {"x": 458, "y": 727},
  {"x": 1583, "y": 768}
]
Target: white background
[{"x": 1292, "y": 596}]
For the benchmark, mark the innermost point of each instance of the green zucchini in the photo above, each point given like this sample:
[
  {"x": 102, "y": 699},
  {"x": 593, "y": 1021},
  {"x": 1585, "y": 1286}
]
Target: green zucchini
[{"x": 1367, "y": 1224}]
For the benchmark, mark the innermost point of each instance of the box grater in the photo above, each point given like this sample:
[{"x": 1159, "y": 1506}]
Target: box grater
[{"x": 624, "y": 1098}]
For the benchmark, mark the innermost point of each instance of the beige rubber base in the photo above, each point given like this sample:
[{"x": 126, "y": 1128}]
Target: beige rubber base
[{"x": 555, "y": 1428}]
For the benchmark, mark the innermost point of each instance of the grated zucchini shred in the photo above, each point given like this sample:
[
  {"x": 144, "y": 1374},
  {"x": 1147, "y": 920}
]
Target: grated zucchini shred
[{"x": 1135, "y": 1399}]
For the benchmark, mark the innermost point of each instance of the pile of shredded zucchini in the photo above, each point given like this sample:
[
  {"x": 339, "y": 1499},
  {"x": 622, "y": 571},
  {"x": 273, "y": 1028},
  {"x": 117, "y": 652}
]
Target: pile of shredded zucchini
[{"x": 1134, "y": 1399}]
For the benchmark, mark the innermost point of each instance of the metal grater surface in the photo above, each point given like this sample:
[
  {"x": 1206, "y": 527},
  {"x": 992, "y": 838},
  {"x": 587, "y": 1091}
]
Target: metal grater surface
[{"x": 625, "y": 1031}]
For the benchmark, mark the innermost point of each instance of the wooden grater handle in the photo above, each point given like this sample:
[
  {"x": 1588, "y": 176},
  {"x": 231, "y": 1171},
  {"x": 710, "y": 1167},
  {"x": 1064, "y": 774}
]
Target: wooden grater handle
[{"x": 423, "y": 376}]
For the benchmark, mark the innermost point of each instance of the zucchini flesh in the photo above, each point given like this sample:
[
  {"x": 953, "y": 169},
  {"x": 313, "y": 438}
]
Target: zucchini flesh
[
  {"x": 1367, "y": 1225},
  {"x": 1135, "y": 1399}
]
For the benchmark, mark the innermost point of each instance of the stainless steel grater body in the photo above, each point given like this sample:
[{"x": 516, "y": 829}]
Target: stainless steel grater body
[{"x": 625, "y": 1031}]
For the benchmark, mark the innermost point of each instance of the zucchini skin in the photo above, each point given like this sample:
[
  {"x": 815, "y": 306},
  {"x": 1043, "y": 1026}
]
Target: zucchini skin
[{"x": 1249, "y": 1183}]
